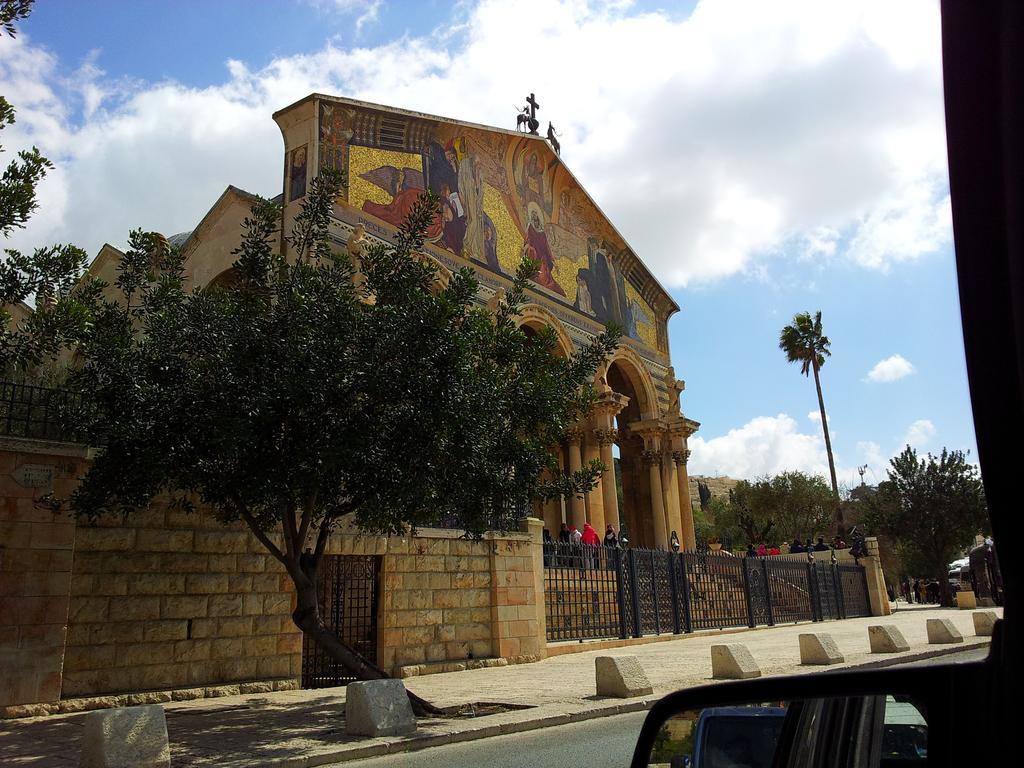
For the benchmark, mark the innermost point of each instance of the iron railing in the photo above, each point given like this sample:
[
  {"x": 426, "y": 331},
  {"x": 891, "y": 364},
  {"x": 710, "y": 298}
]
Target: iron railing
[
  {"x": 606, "y": 592},
  {"x": 43, "y": 413}
]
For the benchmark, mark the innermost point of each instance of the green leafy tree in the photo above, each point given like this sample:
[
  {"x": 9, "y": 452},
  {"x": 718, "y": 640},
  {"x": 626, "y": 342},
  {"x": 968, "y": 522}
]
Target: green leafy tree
[
  {"x": 798, "y": 503},
  {"x": 737, "y": 518},
  {"x": 804, "y": 342},
  {"x": 930, "y": 508},
  {"x": 302, "y": 394},
  {"x": 49, "y": 275},
  {"x": 772, "y": 510}
]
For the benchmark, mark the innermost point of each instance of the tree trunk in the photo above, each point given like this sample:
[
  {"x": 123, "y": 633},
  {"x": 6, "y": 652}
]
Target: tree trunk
[
  {"x": 307, "y": 618},
  {"x": 828, "y": 450}
]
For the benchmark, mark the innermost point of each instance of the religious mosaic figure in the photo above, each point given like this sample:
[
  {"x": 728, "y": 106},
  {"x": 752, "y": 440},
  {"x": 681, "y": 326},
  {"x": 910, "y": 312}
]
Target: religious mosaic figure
[
  {"x": 297, "y": 174},
  {"x": 335, "y": 134},
  {"x": 491, "y": 245},
  {"x": 405, "y": 186},
  {"x": 538, "y": 249},
  {"x": 471, "y": 194}
]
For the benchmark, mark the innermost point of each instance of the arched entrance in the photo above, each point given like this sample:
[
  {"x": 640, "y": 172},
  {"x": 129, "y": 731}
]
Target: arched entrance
[{"x": 637, "y": 502}]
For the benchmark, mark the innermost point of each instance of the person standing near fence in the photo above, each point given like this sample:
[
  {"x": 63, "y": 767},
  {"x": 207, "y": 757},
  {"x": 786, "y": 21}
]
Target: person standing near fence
[
  {"x": 610, "y": 539},
  {"x": 675, "y": 541},
  {"x": 563, "y": 534}
]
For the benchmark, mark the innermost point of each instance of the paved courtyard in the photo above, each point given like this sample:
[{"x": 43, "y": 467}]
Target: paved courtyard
[{"x": 306, "y": 728}]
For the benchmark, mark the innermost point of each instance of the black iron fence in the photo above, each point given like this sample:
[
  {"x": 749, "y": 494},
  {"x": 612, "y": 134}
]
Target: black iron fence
[
  {"x": 43, "y": 413},
  {"x": 603, "y": 592}
]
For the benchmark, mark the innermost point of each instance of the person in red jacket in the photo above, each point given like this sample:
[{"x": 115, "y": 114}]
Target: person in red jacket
[{"x": 590, "y": 535}]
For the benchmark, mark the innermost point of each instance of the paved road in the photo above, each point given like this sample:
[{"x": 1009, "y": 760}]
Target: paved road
[
  {"x": 606, "y": 742},
  {"x": 603, "y": 743}
]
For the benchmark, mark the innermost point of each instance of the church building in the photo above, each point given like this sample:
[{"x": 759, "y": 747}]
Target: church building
[{"x": 504, "y": 193}]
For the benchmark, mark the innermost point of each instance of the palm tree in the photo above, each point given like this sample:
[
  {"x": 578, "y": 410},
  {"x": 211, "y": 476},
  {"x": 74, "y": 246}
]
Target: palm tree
[{"x": 804, "y": 343}]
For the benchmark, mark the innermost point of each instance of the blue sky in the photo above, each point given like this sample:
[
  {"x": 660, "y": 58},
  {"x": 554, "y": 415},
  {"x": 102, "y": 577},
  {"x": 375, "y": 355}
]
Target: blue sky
[{"x": 762, "y": 159}]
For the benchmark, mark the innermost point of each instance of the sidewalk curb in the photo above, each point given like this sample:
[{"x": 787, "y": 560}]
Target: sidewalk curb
[
  {"x": 425, "y": 741},
  {"x": 938, "y": 651}
]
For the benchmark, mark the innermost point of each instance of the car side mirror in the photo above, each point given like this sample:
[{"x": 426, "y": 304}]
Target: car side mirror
[{"x": 857, "y": 719}]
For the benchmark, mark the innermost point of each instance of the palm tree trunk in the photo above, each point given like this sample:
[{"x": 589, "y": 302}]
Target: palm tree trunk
[{"x": 828, "y": 447}]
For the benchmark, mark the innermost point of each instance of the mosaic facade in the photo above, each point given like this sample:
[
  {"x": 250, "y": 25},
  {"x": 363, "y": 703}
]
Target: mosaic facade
[{"x": 502, "y": 196}]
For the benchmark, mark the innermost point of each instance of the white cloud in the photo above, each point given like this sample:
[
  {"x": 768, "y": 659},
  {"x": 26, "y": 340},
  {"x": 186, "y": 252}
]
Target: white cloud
[
  {"x": 919, "y": 434},
  {"x": 892, "y": 368},
  {"x": 713, "y": 142},
  {"x": 764, "y": 445},
  {"x": 773, "y": 444}
]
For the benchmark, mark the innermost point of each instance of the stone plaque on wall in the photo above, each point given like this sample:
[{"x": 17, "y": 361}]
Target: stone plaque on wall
[{"x": 34, "y": 476}]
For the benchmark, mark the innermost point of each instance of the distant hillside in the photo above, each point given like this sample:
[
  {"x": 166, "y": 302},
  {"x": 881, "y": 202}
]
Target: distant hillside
[{"x": 719, "y": 486}]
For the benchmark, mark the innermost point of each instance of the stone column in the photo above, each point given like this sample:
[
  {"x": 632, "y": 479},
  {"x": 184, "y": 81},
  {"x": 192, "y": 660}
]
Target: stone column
[
  {"x": 552, "y": 511},
  {"x": 688, "y": 534},
  {"x": 670, "y": 484},
  {"x": 609, "y": 490},
  {"x": 652, "y": 458},
  {"x": 577, "y": 508},
  {"x": 877, "y": 596},
  {"x": 595, "y": 498}
]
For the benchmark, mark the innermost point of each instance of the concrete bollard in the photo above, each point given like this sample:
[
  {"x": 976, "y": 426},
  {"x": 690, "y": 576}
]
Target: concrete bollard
[
  {"x": 378, "y": 708},
  {"x": 941, "y": 631},
  {"x": 966, "y": 601},
  {"x": 819, "y": 648},
  {"x": 127, "y": 737},
  {"x": 621, "y": 677},
  {"x": 733, "y": 662},
  {"x": 886, "y": 638},
  {"x": 984, "y": 623}
]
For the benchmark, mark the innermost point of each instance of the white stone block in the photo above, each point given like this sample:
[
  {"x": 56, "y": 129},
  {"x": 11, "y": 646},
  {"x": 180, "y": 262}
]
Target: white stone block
[
  {"x": 733, "y": 662},
  {"x": 127, "y": 737},
  {"x": 621, "y": 677},
  {"x": 984, "y": 623},
  {"x": 819, "y": 648},
  {"x": 886, "y": 638},
  {"x": 378, "y": 708},
  {"x": 942, "y": 631}
]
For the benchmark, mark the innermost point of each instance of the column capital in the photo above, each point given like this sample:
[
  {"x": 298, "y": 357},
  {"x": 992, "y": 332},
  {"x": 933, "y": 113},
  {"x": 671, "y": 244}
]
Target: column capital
[
  {"x": 681, "y": 457},
  {"x": 606, "y": 436},
  {"x": 651, "y": 458},
  {"x": 574, "y": 435}
]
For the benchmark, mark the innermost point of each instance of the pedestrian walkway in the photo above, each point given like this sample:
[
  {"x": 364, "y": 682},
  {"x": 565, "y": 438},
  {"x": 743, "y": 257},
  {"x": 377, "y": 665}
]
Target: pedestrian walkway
[{"x": 295, "y": 729}]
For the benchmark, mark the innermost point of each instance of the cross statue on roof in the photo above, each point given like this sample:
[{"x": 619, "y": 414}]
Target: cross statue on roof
[{"x": 527, "y": 118}]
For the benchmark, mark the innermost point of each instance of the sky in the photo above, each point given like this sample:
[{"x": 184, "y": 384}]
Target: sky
[{"x": 762, "y": 159}]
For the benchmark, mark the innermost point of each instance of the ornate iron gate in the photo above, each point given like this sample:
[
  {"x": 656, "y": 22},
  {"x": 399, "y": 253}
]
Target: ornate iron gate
[
  {"x": 827, "y": 599},
  {"x": 601, "y": 592},
  {"x": 348, "y": 588}
]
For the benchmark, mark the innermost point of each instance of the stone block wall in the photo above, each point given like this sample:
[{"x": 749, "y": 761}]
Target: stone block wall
[
  {"x": 175, "y": 600},
  {"x": 36, "y": 553},
  {"x": 170, "y": 601},
  {"x": 447, "y": 602}
]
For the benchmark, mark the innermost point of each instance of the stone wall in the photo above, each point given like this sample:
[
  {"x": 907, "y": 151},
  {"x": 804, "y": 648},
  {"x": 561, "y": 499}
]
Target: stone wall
[
  {"x": 175, "y": 600},
  {"x": 36, "y": 553},
  {"x": 170, "y": 601}
]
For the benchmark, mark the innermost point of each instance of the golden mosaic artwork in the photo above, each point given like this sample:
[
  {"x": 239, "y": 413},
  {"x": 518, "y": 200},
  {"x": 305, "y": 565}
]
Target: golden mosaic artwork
[
  {"x": 645, "y": 330},
  {"x": 364, "y": 159},
  {"x": 566, "y": 265},
  {"x": 510, "y": 240}
]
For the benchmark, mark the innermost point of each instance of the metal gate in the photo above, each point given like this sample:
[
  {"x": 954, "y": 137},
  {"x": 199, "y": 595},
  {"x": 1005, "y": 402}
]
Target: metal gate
[
  {"x": 602, "y": 592},
  {"x": 348, "y": 587}
]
